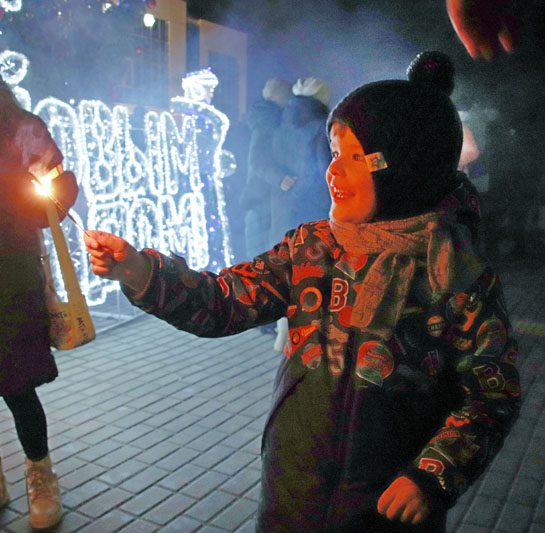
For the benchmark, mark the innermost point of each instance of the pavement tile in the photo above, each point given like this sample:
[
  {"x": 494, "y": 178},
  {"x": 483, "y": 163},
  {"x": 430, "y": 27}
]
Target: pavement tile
[
  {"x": 496, "y": 485},
  {"x": 80, "y": 476},
  {"x": 181, "y": 477},
  {"x": 7, "y": 516},
  {"x": 122, "y": 472},
  {"x": 64, "y": 467},
  {"x": 72, "y": 522},
  {"x": 100, "y": 435},
  {"x": 182, "y": 525},
  {"x": 483, "y": 511},
  {"x": 211, "y": 529},
  {"x": 533, "y": 466},
  {"x": 131, "y": 435},
  {"x": 213, "y": 504},
  {"x": 472, "y": 528},
  {"x": 169, "y": 509},
  {"x": 247, "y": 527},
  {"x": 455, "y": 516},
  {"x": 242, "y": 482},
  {"x": 144, "y": 479},
  {"x": 145, "y": 500},
  {"x": 515, "y": 518},
  {"x": 213, "y": 456},
  {"x": 109, "y": 523},
  {"x": 105, "y": 502},
  {"x": 525, "y": 491},
  {"x": 92, "y": 453},
  {"x": 72, "y": 499},
  {"x": 174, "y": 422},
  {"x": 204, "y": 484},
  {"x": 188, "y": 434},
  {"x": 139, "y": 526},
  {"x": 207, "y": 440},
  {"x": 176, "y": 460},
  {"x": 235, "y": 515},
  {"x": 240, "y": 438},
  {"x": 156, "y": 453},
  {"x": 234, "y": 463}
]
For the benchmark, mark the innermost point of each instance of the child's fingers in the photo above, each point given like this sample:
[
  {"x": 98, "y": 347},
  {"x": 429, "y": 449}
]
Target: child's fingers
[
  {"x": 90, "y": 242},
  {"x": 101, "y": 262},
  {"x": 385, "y": 500}
]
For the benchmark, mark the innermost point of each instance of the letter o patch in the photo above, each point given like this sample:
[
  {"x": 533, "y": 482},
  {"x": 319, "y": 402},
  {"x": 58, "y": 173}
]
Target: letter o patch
[{"x": 310, "y": 299}]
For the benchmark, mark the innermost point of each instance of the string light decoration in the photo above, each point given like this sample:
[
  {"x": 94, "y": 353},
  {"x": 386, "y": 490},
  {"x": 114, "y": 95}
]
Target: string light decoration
[
  {"x": 13, "y": 69},
  {"x": 11, "y": 5},
  {"x": 168, "y": 195}
]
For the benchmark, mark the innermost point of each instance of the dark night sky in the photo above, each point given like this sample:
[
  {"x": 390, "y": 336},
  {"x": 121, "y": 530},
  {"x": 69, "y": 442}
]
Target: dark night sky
[{"x": 349, "y": 42}]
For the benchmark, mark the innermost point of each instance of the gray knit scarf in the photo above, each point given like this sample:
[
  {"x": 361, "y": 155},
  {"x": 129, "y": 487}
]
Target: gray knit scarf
[{"x": 440, "y": 240}]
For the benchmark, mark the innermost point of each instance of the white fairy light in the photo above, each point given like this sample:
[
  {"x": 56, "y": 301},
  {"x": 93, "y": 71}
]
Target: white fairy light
[
  {"x": 200, "y": 85},
  {"x": 23, "y": 97},
  {"x": 13, "y": 66},
  {"x": 11, "y": 5},
  {"x": 149, "y": 20}
]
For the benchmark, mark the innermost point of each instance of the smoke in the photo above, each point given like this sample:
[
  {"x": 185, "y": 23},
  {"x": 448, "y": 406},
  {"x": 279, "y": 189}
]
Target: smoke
[{"x": 344, "y": 48}]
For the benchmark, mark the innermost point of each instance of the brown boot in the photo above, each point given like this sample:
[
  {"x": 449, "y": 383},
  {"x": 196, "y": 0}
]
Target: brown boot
[
  {"x": 44, "y": 497},
  {"x": 4, "y": 494}
]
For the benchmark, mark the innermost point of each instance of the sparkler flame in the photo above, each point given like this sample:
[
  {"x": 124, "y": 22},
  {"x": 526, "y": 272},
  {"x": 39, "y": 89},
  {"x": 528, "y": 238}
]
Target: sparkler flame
[{"x": 43, "y": 185}]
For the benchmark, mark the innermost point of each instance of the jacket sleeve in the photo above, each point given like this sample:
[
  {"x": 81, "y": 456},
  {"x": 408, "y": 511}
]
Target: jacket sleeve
[
  {"x": 486, "y": 374},
  {"x": 216, "y": 305}
]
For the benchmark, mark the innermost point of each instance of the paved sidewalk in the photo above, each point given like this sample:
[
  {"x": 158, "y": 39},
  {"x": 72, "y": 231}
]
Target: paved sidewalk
[{"x": 152, "y": 429}]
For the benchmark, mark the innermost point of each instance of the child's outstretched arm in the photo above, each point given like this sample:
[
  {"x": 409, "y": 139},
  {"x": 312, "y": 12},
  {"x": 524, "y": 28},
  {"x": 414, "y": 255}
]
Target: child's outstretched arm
[
  {"x": 114, "y": 258},
  {"x": 203, "y": 303}
]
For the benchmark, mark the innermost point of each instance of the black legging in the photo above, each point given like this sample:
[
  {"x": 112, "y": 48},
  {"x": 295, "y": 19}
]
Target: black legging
[{"x": 30, "y": 423}]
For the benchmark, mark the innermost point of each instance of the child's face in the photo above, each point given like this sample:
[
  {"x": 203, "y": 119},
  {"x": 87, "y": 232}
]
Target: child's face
[{"x": 350, "y": 182}]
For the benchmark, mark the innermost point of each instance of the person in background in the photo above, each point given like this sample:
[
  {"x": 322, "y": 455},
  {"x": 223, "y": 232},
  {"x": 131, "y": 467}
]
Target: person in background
[
  {"x": 399, "y": 382},
  {"x": 27, "y": 151},
  {"x": 300, "y": 148},
  {"x": 263, "y": 171}
]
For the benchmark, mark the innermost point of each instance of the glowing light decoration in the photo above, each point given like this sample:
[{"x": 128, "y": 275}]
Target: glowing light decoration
[
  {"x": 13, "y": 66},
  {"x": 13, "y": 69},
  {"x": 11, "y": 5},
  {"x": 168, "y": 195}
]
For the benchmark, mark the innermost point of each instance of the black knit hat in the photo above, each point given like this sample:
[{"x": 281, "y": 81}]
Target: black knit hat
[{"x": 416, "y": 127}]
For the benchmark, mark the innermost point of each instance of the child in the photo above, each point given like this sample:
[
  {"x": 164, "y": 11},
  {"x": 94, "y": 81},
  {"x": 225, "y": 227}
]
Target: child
[{"x": 399, "y": 382}]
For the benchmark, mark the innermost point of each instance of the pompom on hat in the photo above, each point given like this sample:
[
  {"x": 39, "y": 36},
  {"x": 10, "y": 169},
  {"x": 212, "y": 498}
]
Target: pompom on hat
[
  {"x": 312, "y": 87},
  {"x": 278, "y": 91},
  {"x": 416, "y": 128}
]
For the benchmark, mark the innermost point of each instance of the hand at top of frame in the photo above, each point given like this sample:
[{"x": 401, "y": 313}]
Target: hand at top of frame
[{"x": 482, "y": 25}]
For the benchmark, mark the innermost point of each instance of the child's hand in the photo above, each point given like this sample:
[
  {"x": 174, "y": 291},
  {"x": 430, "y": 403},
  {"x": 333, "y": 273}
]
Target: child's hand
[
  {"x": 404, "y": 501},
  {"x": 114, "y": 258}
]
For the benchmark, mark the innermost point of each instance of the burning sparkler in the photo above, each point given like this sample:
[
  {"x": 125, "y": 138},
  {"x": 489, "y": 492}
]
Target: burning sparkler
[{"x": 43, "y": 188}]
